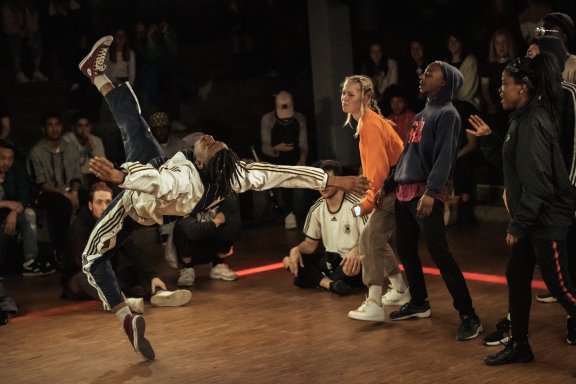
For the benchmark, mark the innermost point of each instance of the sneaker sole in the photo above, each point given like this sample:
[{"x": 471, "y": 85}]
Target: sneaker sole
[
  {"x": 225, "y": 278},
  {"x": 478, "y": 331},
  {"x": 420, "y": 315},
  {"x": 96, "y": 45},
  {"x": 141, "y": 344},
  {"x": 497, "y": 342},
  {"x": 546, "y": 300},
  {"x": 176, "y": 299},
  {"x": 358, "y": 316}
]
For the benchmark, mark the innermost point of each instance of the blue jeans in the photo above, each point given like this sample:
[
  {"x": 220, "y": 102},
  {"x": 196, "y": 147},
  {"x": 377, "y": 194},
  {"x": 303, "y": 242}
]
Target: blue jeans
[
  {"x": 139, "y": 145},
  {"x": 26, "y": 225}
]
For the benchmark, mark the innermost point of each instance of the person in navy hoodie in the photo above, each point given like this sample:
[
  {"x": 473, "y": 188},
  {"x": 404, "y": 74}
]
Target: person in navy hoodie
[{"x": 422, "y": 175}]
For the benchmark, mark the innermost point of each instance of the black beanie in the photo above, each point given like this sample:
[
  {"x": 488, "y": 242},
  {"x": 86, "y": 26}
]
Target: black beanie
[
  {"x": 554, "y": 46},
  {"x": 563, "y": 21}
]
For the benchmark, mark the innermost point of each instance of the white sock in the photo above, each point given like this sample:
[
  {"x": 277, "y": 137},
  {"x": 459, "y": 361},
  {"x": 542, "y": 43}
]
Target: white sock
[
  {"x": 375, "y": 293},
  {"x": 101, "y": 80},
  {"x": 398, "y": 283},
  {"x": 122, "y": 313}
]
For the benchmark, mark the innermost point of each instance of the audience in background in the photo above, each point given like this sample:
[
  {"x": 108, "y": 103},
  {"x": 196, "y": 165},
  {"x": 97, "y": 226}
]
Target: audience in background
[
  {"x": 382, "y": 70},
  {"x": 54, "y": 166},
  {"x": 121, "y": 62},
  {"x": 160, "y": 127},
  {"x": 87, "y": 144},
  {"x": 17, "y": 218},
  {"x": 401, "y": 114},
  {"x": 20, "y": 21},
  {"x": 284, "y": 137},
  {"x": 460, "y": 57}
]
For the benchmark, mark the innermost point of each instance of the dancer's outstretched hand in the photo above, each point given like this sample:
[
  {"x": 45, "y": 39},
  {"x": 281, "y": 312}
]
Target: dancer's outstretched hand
[
  {"x": 357, "y": 185},
  {"x": 105, "y": 171}
]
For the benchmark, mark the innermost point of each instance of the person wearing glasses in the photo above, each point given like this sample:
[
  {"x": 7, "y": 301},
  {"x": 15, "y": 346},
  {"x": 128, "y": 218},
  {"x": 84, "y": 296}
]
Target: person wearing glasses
[{"x": 561, "y": 25}]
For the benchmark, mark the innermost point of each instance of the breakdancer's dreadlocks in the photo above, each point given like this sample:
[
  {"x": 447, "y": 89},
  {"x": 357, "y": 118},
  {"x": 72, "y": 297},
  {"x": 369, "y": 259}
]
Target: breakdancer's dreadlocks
[{"x": 224, "y": 170}]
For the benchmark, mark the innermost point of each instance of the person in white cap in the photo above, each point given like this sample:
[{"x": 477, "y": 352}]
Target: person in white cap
[{"x": 285, "y": 141}]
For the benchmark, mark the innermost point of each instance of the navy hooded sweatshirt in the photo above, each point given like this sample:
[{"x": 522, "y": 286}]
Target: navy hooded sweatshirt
[{"x": 432, "y": 143}]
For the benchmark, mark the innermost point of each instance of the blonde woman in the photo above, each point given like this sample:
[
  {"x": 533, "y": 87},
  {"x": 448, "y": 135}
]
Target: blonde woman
[{"x": 380, "y": 148}]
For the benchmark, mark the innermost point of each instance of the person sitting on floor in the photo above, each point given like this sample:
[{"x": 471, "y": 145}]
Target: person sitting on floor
[{"x": 331, "y": 220}]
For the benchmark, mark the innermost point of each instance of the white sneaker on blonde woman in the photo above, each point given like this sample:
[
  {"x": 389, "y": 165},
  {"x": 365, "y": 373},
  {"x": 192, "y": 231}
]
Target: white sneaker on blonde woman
[
  {"x": 135, "y": 304},
  {"x": 393, "y": 297},
  {"x": 223, "y": 272},
  {"x": 368, "y": 311},
  {"x": 171, "y": 298}
]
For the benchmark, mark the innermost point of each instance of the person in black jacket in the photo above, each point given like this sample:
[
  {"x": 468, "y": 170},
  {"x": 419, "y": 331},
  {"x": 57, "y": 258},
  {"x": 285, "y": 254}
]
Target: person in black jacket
[
  {"x": 208, "y": 237},
  {"x": 138, "y": 278},
  {"x": 538, "y": 196}
]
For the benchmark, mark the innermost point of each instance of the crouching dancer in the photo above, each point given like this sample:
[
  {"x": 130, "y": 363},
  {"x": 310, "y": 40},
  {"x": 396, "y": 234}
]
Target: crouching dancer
[{"x": 187, "y": 183}]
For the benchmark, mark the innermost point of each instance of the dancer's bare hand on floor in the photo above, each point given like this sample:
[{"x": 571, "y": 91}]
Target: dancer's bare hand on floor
[{"x": 105, "y": 171}]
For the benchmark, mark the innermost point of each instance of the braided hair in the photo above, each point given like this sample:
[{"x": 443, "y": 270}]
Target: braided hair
[
  {"x": 366, "y": 88},
  {"x": 224, "y": 169},
  {"x": 543, "y": 79}
]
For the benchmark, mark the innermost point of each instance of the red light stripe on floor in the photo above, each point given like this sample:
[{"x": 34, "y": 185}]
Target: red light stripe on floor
[{"x": 472, "y": 276}]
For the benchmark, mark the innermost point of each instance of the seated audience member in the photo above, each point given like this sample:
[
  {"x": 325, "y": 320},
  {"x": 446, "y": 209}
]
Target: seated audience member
[
  {"x": 54, "y": 165},
  {"x": 401, "y": 115},
  {"x": 331, "y": 220},
  {"x": 139, "y": 277},
  {"x": 208, "y": 237},
  {"x": 87, "y": 144},
  {"x": 160, "y": 127},
  {"x": 16, "y": 216}
]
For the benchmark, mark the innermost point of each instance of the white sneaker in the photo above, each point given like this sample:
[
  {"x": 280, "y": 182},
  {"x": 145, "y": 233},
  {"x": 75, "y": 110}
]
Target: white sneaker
[
  {"x": 290, "y": 221},
  {"x": 135, "y": 304},
  {"x": 171, "y": 298},
  {"x": 186, "y": 278},
  {"x": 223, "y": 272},
  {"x": 39, "y": 76},
  {"x": 21, "y": 78},
  {"x": 368, "y": 311},
  {"x": 393, "y": 297}
]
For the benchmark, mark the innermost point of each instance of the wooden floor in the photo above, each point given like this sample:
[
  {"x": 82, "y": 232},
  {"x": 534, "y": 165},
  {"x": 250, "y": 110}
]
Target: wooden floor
[{"x": 261, "y": 329}]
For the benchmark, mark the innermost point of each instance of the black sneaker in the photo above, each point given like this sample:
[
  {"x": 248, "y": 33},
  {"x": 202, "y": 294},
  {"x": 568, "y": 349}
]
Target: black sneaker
[
  {"x": 410, "y": 310},
  {"x": 514, "y": 352},
  {"x": 470, "y": 327},
  {"x": 340, "y": 287},
  {"x": 501, "y": 335},
  {"x": 571, "y": 334},
  {"x": 135, "y": 326},
  {"x": 38, "y": 269},
  {"x": 546, "y": 297}
]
